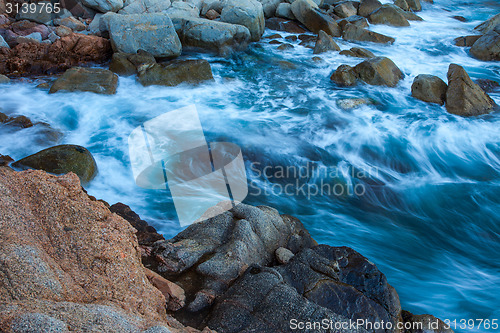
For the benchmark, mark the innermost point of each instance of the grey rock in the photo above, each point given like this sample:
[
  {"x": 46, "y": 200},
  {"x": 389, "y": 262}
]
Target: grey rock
[
  {"x": 284, "y": 10},
  {"x": 366, "y": 7},
  {"x": 176, "y": 72},
  {"x": 94, "y": 80},
  {"x": 207, "y": 5},
  {"x": 94, "y": 26},
  {"x": 325, "y": 43},
  {"x": 379, "y": 71},
  {"x": 223, "y": 38},
  {"x": 4, "y": 79},
  {"x": 358, "y": 52},
  {"x": 248, "y": 13},
  {"x": 487, "y": 47},
  {"x": 269, "y": 7},
  {"x": 104, "y": 6},
  {"x": 390, "y": 15},
  {"x": 322, "y": 282},
  {"x": 345, "y": 9},
  {"x": 353, "y": 103},
  {"x": 308, "y": 13},
  {"x": 37, "y": 322},
  {"x": 464, "y": 97},
  {"x": 181, "y": 9},
  {"x": 158, "y": 329},
  {"x": 3, "y": 43},
  {"x": 222, "y": 247},
  {"x": 426, "y": 321},
  {"x": 153, "y": 33},
  {"x": 34, "y": 37},
  {"x": 121, "y": 65},
  {"x": 145, "y": 6},
  {"x": 283, "y": 255},
  {"x": 53, "y": 37},
  {"x": 72, "y": 23},
  {"x": 344, "y": 76},
  {"x": 489, "y": 24},
  {"x": 39, "y": 15},
  {"x": 414, "y": 5},
  {"x": 357, "y": 20},
  {"x": 355, "y": 33},
  {"x": 429, "y": 88}
]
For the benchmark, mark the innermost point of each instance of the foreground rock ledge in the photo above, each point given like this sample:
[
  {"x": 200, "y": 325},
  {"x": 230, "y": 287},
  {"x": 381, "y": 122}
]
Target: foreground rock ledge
[{"x": 70, "y": 265}]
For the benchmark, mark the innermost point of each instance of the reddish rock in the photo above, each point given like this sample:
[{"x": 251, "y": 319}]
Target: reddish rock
[
  {"x": 66, "y": 52},
  {"x": 176, "y": 299},
  {"x": 24, "y": 28}
]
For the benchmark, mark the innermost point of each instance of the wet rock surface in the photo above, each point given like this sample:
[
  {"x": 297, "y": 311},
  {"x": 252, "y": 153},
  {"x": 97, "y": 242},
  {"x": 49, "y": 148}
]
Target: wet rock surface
[{"x": 96, "y": 80}]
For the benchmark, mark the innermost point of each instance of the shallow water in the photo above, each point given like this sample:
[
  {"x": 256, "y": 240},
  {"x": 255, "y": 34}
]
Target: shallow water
[{"x": 429, "y": 214}]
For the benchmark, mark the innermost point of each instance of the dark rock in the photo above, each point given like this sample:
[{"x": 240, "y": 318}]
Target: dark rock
[
  {"x": 379, "y": 71},
  {"x": 146, "y": 234},
  {"x": 466, "y": 41},
  {"x": 217, "y": 251},
  {"x": 121, "y": 65},
  {"x": 487, "y": 85},
  {"x": 357, "y": 20},
  {"x": 275, "y": 42},
  {"x": 459, "y": 18},
  {"x": 142, "y": 60},
  {"x": 96, "y": 80},
  {"x": 5, "y": 160},
  {"x": 366, "y": 7},
  {"x": 427, "y": 322},
  {"x": 402, "y": 4},
  {"x": 325, "y": 43},
  {"x": 307, "y": 40},
  {"x": 388, "y": 14},
  {"x": 309, "y": 14},
  {"x": 488, "y": 46},
  {"x": 322, "y": 282},
  {"x": 489, "y": 25},
  {"x": 60, "y": 160},
  {"x": 414, "y": 5},
  {"x": 345, "y": 9},
  {"x": 177, "y": 72},
  {"x": 280, "y": 24},
  {"x": 344, "y": 76},
  {"x": 464, "y": 97},
  {"x": 358, "y": 52},
  {"x": 64, "y": 53},
  {"x": 429, "y": 88},
  {"x": 20, "y": 121},
  {"x": 285, "y": 47},
  {"x": 354, "y": 33}
]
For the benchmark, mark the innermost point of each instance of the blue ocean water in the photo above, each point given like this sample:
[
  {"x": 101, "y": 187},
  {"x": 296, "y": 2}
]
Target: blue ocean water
[{"x": 429, "y": 212}]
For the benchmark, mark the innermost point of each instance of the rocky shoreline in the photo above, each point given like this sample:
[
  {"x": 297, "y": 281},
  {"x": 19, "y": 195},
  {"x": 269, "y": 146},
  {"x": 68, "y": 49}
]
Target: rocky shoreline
[{"x": 69, "y": 264}]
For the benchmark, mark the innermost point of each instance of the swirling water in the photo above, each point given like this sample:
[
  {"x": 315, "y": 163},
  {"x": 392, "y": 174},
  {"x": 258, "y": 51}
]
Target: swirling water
[{"x": 429, "y": 214}]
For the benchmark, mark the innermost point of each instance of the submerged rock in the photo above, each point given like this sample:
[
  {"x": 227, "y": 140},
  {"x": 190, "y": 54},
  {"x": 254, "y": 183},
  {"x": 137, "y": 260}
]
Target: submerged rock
[
  {"x": 177, "y": 72},
  {"x": 379, "y": 71},
  {"x": 488, "y": 46},
  {"x": 488, "y": 85},
  {"x": 61, "y": 160},
  {"x": 353, "y": 103},
  {"x": 153, "y": 33},
  {"x": 355, "y": 33},
  {"x": 325, "y": 43},
  {"x": 429, "y": 88},
  {"x": 308, "y": 13},
  {"x": 344, "y": 76},
  {"x": 96, "y": 80},
  {"x": 464, "y": 97},
  {"x": 248, "y": 13}
]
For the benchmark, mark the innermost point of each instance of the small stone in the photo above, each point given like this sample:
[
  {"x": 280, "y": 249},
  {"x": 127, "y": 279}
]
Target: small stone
[
  {"x": 344, "y": 76},
  {"x": 352, "y": 103},
  {"x": 63, "y": 31},
  {"x": 325, "y": 43},
  {"x": 429, "y": 88},
  {"x": 283, "y": 255},
  {"x": 212, "y": 14},
  {"x": 285, "y": 47}
]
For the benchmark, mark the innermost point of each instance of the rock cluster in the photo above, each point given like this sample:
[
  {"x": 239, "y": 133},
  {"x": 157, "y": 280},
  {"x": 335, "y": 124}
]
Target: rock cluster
[
  {"x": 486, "y": 46},
  {"x": 379, "y": 71},
  {"x": 462, "y": 96}
]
